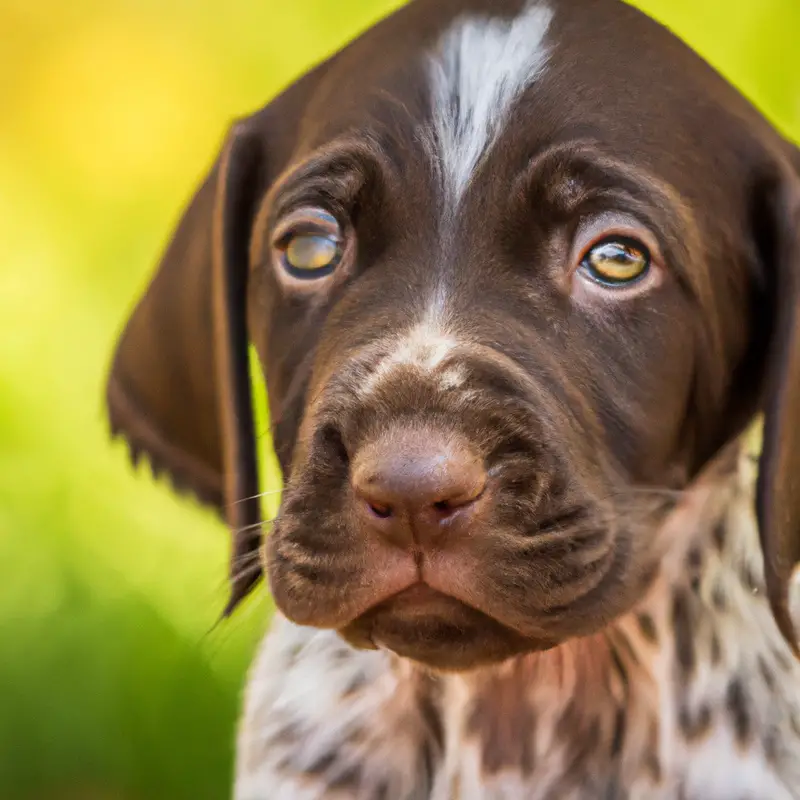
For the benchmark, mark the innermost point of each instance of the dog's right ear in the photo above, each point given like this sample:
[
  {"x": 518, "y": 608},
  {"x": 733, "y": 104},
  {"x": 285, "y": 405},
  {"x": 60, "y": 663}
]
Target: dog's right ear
[{"x": 179, "y": 389}]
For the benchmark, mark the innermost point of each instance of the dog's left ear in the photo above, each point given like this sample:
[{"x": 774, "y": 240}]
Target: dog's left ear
[{"x": 778, "y": 488}]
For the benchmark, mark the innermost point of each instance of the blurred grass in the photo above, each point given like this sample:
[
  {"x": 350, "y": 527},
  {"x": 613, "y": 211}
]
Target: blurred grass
[{"x": 111, "y": 685}]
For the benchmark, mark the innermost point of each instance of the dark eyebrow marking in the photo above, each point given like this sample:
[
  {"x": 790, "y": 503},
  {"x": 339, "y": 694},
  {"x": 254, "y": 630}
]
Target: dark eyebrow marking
[
  {"x": 335, "y": 175},
  {"x": 347, "y": 177},
  {"x": 575, "y": 178},
  {"x": 566, "y": 173}
]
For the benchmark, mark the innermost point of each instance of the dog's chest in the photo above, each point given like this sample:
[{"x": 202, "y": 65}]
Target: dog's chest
[
  {"x": 715, "y": 769},
  {"x": 631, "y": 729},
  {"x": 637, "y": 713}
]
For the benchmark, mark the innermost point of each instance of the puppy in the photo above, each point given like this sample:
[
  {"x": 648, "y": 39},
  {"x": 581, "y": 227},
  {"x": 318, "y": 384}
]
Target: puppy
[{"x": 520, "y": 276}]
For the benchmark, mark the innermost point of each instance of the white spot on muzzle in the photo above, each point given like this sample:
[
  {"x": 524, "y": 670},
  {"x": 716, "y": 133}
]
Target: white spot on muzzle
[{"x": 423, "y": 348}]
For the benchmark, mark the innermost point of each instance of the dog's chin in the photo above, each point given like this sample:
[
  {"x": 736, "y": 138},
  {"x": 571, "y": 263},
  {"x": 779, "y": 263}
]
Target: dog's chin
[{"x": 438, "y": 632}]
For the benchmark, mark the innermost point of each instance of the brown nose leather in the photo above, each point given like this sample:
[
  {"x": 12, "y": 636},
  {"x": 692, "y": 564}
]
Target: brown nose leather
[{"x": 416, "y": 487}]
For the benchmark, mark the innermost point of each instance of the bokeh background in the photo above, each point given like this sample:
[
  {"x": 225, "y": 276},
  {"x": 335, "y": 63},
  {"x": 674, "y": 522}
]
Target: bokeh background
[{"x": 114, "y": 682}]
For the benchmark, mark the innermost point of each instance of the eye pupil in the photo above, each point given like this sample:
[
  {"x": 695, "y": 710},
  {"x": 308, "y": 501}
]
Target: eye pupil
[
  {"x": 616, "y": 261},
  {"x": 311, "y": 252}
]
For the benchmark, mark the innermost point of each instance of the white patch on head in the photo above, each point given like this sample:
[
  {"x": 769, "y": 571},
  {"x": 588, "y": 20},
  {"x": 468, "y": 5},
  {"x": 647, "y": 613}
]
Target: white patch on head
[
  {"x": 453, "y": 377},
  {"x": 424, "y": 347},
  {"x": 482, "y": 66}
]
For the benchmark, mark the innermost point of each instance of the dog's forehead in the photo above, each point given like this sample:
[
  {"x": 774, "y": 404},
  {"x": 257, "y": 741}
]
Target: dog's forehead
[
  {"x": 461, "y": 97},
  {"x": 445, "y": 82}
]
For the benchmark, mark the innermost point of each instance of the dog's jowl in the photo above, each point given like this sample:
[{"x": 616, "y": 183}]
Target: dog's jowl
[{"x": 521, "y": 277}]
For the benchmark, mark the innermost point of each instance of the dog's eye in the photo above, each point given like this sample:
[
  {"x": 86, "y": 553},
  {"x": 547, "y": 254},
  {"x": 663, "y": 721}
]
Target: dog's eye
[
  {"x": 616, "y": 261},
  {"x": 312, "y": 253},
  {"x": 310, "y": 245}
]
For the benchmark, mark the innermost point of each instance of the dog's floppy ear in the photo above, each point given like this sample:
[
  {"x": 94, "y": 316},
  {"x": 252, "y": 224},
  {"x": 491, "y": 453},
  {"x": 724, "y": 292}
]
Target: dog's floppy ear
[
  {"x": 179, "y": 389},
  {"x": 778, "y": 490}
]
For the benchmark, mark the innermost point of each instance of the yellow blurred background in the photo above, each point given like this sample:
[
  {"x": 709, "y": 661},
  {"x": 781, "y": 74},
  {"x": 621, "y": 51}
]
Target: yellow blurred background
[{"x": 113, "y": 683}]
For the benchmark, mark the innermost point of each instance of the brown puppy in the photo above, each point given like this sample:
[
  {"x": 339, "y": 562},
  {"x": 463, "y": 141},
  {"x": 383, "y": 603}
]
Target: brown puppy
[{"x": 519, "y": 275}]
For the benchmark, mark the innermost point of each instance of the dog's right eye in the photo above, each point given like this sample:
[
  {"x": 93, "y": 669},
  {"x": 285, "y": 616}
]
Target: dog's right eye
[
  {"x": 310, "y": 244},
  {"x": 312, "y": 254}
]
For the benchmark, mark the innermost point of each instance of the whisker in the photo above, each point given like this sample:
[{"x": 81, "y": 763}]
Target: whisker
[
  {"x": 244, "y": 559},
  {"x": 244, "y": 564},
  {"x": 656, "y": 490},
  {"x": 269, "y": 493},
  {"x": 217, "y": 638},
  {"x": 241, "y": 568},
  {"x": 647, "y": 492},
  {"x": 253, "y": 526},
  {"x": 245, "y": 572}
]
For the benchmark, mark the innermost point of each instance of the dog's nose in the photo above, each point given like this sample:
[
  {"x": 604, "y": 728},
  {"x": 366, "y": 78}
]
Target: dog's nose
[{"x": 417, "y": 487}]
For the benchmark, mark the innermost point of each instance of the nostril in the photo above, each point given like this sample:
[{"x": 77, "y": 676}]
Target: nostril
[
  {"x": 449, "y": 506},
  {"x": 380, "y": 511},
  {"x": 444, "y": 509}
]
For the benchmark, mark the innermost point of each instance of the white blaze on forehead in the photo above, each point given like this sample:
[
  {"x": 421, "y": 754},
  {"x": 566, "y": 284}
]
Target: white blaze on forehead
[
  {"x": 482, "y": 66},
  {"x": 424, "y": 347}
]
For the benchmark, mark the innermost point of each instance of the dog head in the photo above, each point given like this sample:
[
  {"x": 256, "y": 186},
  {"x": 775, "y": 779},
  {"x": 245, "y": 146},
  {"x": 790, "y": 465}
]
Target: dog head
[{"x": 515, "y": 272}]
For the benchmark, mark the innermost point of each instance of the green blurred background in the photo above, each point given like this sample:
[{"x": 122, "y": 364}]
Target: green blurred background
[{"x": 112, "y": 683}]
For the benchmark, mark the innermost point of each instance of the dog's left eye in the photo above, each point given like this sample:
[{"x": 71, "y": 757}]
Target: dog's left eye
[
  {"x": 616, "y": 261},
  {"x": 311, "y": 244}
]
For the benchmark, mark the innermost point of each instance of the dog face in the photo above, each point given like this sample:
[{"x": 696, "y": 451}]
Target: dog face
[{"x": 515, "y": 272}]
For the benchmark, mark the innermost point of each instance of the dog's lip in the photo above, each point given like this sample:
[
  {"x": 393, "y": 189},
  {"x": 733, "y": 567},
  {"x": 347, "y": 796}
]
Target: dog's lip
[
  {"x": 438, "y": 630},
  {"x": 305, "y": 603},
  {"x": 416, "y": 595},
  {"x": 448, "y": 575},
  {"x": 412, "y": 586},
  {"x": 418, "y": 600}
]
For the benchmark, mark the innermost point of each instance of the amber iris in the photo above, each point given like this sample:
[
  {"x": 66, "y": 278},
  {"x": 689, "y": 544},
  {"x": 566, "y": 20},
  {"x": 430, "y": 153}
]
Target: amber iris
[{"x": 616, "y": 261}]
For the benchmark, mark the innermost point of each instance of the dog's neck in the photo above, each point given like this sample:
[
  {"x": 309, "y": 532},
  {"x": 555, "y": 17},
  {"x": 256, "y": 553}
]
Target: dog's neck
[{"x": 696, "y": 673}]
